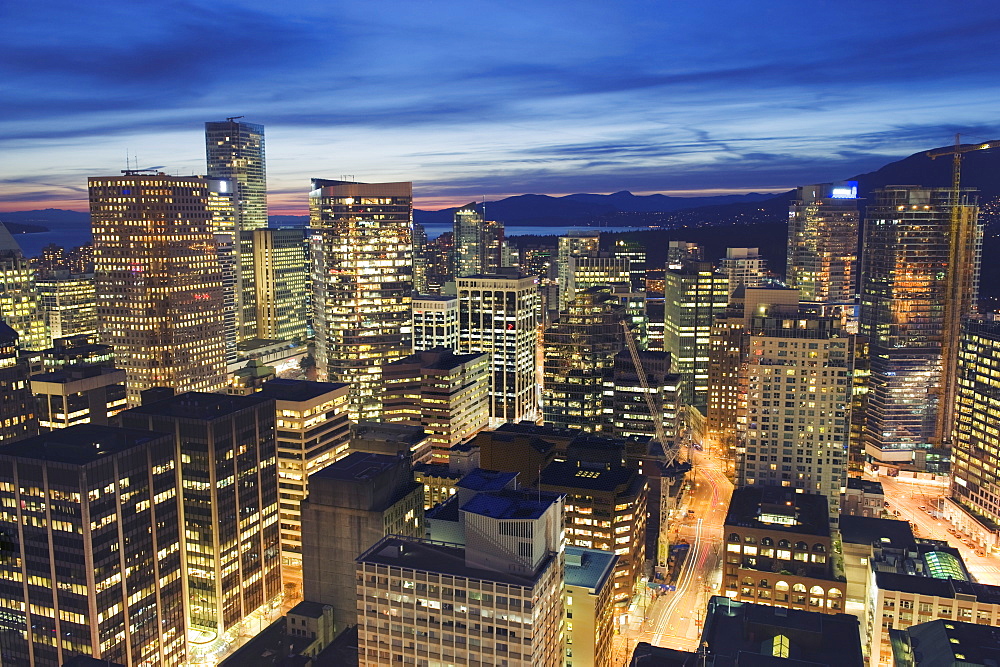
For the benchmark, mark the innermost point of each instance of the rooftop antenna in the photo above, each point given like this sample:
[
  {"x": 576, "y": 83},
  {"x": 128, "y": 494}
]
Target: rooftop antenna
[{"x": 233, "y": 119}]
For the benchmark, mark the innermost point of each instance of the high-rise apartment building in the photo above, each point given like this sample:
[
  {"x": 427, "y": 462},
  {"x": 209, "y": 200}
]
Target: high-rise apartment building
[
  {"x": 975, "y": 460},
  {"x": 588, "y": 604},
  {"x": 18, "y": 412},
  {"x": 743, "y": 266},
  {"x": 435, "y": 322},
  {"x": 352, "y": 504},
  {"x": 579, "y": 350},
  {"x": 362, "y": 281},
  {"x": 225, "y": 454},
  {"x": 587, "y": 271},
  {"x": 479, "y": 243},
  {"x": 798, "y": 406},
  {"x": 727, "y": 363},
  {"x": 280, "y": 283},
  {"x": 498, "y": 315},
  {"x": 444, "y": 393},
  {"x": 93, "y": 556},
  {"x": 158, "y": 280},
  {"x": 69, "y": 303},
  {"x": 19, "y": 302},
  {"x": 693, "y": 295},
  {"x": 913, "y": 297},
  {"x": 823, "y": 242},
  {"x": 576, "y": 243},
  {"x": 313, "y": 431},
  {"x": 494, "y": 598}
]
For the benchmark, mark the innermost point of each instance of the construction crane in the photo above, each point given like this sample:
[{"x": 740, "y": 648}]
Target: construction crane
[
  {"x": 671, "y": 452},
  {"x": 960, "y": 278}
]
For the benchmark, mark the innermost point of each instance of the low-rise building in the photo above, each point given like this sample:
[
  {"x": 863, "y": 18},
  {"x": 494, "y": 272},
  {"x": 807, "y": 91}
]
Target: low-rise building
[
  {"x": 863, "y": 497},
  {"x": 78, "y": 395},
  {"x": 779, "y": 551},
  {"x": 943, "y": 643}
]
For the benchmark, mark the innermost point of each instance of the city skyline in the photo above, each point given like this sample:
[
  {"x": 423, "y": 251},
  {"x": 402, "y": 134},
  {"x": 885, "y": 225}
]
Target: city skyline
[{"x": 599, "y": 99}]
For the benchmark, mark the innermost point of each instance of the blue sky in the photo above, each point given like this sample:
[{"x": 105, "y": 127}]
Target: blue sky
[{"x": 481, "y": 98}]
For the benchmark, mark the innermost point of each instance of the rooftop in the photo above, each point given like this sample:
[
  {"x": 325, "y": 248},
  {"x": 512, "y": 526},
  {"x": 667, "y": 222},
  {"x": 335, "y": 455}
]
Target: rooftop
[
  {"x": 389, "y": 431},
  {"x": 868, "y": 530},
  {"x": 568, "y": 474},
  {"x": 68, "y": 374},
  {"x": 435, "y": 297},
  {"x": 946, "y": 642},
  {"x": 509, "y": 504},
  {"x": 281, "y": 389},
  {"x": 79, "y": 445},
  {"x": 438, "y": 358},
  {"x": 486, "y": 480},
  {"x": 200, "y": 405},
  {"x": 588, "y": 568},
  {"x": 307, "y": 609},
  {"x": 779, "y": 508},
  {"x": 742, "y": 633},
  {"x": 865, "y": 485},
  {"x": 439, "y": 557},
  {"x": 357, "y": 466}
]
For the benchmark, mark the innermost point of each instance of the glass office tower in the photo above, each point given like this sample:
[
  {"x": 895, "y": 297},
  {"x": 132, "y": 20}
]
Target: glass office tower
[{"x": 361, "y": 251}]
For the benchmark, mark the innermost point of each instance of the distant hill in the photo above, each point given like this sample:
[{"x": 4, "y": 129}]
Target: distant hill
[{"x": 532, "y": 209}]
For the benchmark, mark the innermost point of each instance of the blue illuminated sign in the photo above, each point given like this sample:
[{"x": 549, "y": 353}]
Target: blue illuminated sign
[{"x": 849, "y": 190}]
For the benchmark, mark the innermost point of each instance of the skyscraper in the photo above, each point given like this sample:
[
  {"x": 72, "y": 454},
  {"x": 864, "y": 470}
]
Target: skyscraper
[
  {"x": 912, "y": 300},
  {"x": 579, "y": 349},
  {"x": 693, "y": 295},
  {"x": 822, "y": 242},
  {"x": 575, "y": 244},
  {"x": 280, "y": 282},
  {"x": 499, "y": 315},
  {"x": 797, "y": 412},
  {"x": 975, "y": 467},
  {"x": 743, "y": 266},
  {"x": 235, "y": 152},
  {"x": 18, "y": 414},
  {"x": 96, "y": 567},
  {"x": 225, "y": 459},
  {"x": 19, "y": 303},
  {"x": 69, "y": 303},
  {"x": 158, "y": 280},
  {"x": 362, "y": 280},
  {"x": 478, "y": 243}
]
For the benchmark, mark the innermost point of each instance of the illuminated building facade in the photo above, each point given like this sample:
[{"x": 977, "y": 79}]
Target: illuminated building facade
[
  {"x": 588, "y": 605},
  {"x": 692, "y": 296},
  {"x": 158, "y": 280},
  {"x": 574, "y": 244},
  {"x": 19, "y": 303},
  {"x": 443, "y": 392},
  {"x": 362, "y": 282},
  {"x": 439, "y": 261},
  {"x": 605, "y": 509},
  {"x": 72, "y": 585},
  {"x": 225, "y": 448},
  {"x": 18, "y": 418},
  {"x": 975, "y": 456},
  {"x": 911, "y": 296},
  {"x": 586, "y": 271},
  {"x": 498, "y": 593},
  {"x": 235, "y": 152},
  {"x": 626, "y": 411},
  {"x": 313, "y": 431},
  {"x": 798, "y": 406},
  {"x": 634, "y": 254},
  {"x": 78, "y": 395},
  {"x": 478, "y": 243},
  {"x": 743, "y": 266},
  {"x": 822, "y": 242},
  {"x": 280, "y": 283},
  {"x": 69, "y": 303},
  {"x": 498, "y": 315},
  {"x": 579, "y": 350},
  {"x": 435, "y": 322},
  {"x": 779, "y": 551}
]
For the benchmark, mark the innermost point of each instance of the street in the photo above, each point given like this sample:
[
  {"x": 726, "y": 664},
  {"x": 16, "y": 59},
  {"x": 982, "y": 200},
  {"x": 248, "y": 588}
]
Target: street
[
  {"x": 673, "y": 619},
  {"x": 907, "y": 496}
]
